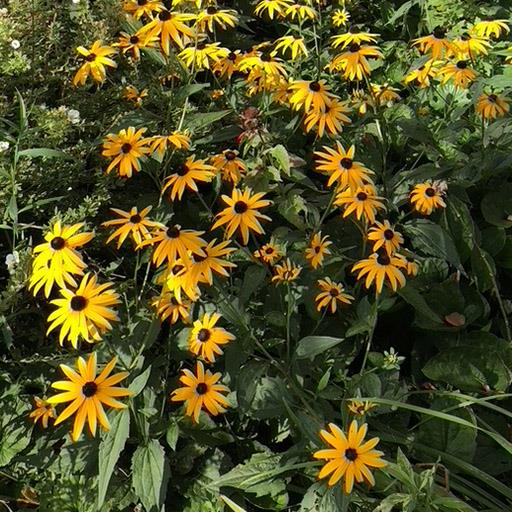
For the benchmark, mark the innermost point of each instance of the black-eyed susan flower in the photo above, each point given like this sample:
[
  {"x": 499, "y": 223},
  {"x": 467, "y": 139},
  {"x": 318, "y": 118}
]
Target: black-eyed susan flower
[
  {"x": 229, "y": 165},
  {"x": 361, "y": 101},
  {"x": 269, "y": 253},
  {"x": 294, "y": 45},
  {"x": 132, "y": 94},
  {"x": 177, "y": 280},
  {"x": 43, "y": 411},
  {"x": 492, "y": 106},
  {"x": 202, "y": 55},
  {"x": 226, "y": 66},
  {"x": 133, "y": 43},
  {"x": 472, "y": 45},
  {"x": 384, "y": 235},
  {"x": 341, "y": 168},
  {"x": 177, "y": 140},
  {"x": 421, "y": 76},
  {"x": 310, "y": 95},
  {"x": 360, "y": 408},
  {"x": 353, "y": 36},
  {"x": 385, "y": 94},
  {"x": 96, "y": 61},
  {"x": 186, "y": 175},
  {"x": 242, "y": 213},
  {"x": 330, "y": 120},
  {"x": 132, "y": 223},
  {"x": 436, "y": 44},
  {"x": 340, "y": 17},
  {"x": 301, "y": 12},
  {"x": 201, "y": 391},
  {"x": 85, "y": 312},
  {"x": 139, "y": 8},
  {"x": 427, "y": 197},
  {"x": 57, "y": 259},
  {"x": 206, "y": 338},
  {"x": 318, "y": 249},
  {"x": 349, "y": 458},
  {"x": 380, "y": 268},
  {"x": 212, "y": 16},
  {"x": 362, "y": 201},
  {"x": 272, "y": 8},
  {"x": 173, "y": 243},
  {"x": 286, "y": 272},
  {"x": 88, "y": 394},
  {"x": 127, "y": 148},
  {"x": 489, "y": 28},
  {"x": 458, "y": 72},
  {"x": 331, "y": 294},
  {"x": 411, "y": 266},
  {"x": 170, "y": 308},
  {"x": 262, "y": 67},
  {"x": 353, "y": 62}
]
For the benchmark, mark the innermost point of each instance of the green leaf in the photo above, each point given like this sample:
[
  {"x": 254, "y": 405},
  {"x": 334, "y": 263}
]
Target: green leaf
[
  {"x": 504, "y": 257},
  {"x": 493, "y": 240},
  {"x": 173, "y": 434},
  {"x": 150, "y": 474},
  {"x": 15, "y": 436},
  {"x": 45, "y": 153},
  {"x": 311, "y": 346},
  {"x": 254, "y": 278},
  {"x": 231, "y": 504},
  {"x": 181, "y": 93},
  {"x": 497, "y": 206},
  {"x": 458, "y": 222},
  {"x": 202, "y": 120},
  {"x": 139, "y": 382},
  {"x": 483, "y": 268},
  {"x": 111, "y": 446},
  {"x": 281, "y": 156},
  {"x": 416, "y": 300}
]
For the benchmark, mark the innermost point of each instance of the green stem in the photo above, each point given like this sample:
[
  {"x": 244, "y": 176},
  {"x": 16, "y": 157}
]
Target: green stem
[{"x": 371, "y": 333}]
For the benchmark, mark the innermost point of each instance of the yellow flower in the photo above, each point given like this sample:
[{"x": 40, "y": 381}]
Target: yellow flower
[
  {"x": 363, "y": 201},
  {"x": 269, "y": 253},
  {"x": 353, "y": 63},
  {"x": 261, "y": 67},
  {"x": 139, "y": 8},
  {"x": 169, "y": 307},
  {"x": 95, "y": 61},
  {"x": 427, "y": 197},
  {"x": 471, "y": 45},
  {"x": 226, "y": 66},
  {"x": 295, "y": 45},
  {"x": 286, "y": 272},
  {"x": 127, "y": 147},
  {"x": 349, "y": 458},
  {"x": 177, "y": 139},
  {"x": 385, "y": 94},
  {"x": 421, "y": 76},
  {"x": 331, "y": 294},
  {"x": 353, "y": 36},
  {"x": 133, "y": 43},
  {"x": 459, "y": 72},
  {"x": 380, "y": 268},
  {"x": 229, "y": 165},
  {"x": 212, "y": 15},
  {"x": 411, "y": 266},
  {"x": 332, "y": 119},
  {"x": 205, "y": 338},
  {"x": 436, "y": 44},
  {"x": 201, "y": 391},
  {"x": 43, "y": 411},
  {"x": 132, "y": 223},
  {"x": 314, "y": 95},
  {"x": 242, "y": 213},
  {"x": 132, "y": 94},
  {"x": 202, "y": 56},
  {"x": 57, "y": 258},
  {"x": 272, "y": 7},
  {"x": 359, "y": 408},
  {"x": 340, "y": 17},
  {"x": 491, "y": 106},
  {"x": 87, "y": 394},
  {"x": 176, "y": 279},
  {"x": 383, "y": 235},
  {"x": 488, "y": 28},
  {"x": 318, "y": 248},
  {"x": 341, "y": 167},
  {"x": 85, "y": 312},
  {"x": 301, "y": 12}
]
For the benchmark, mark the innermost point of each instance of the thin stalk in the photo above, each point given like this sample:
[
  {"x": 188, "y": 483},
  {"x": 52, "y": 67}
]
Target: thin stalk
[{"x": 370, "y": 334}]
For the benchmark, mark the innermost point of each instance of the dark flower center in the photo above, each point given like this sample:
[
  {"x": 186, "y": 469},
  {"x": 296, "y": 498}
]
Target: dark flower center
[
  {"x": 232, "y": 56},
  {"x": 351, "y": 454},
  {"x": 462, "y": 64},
  {"x": 135, "y": 219},
  {"x": 317, "y": 249},
  {"x": 383, "y": 259},
  {"x": 266, "y": 58},
  {"x": 333, "y": 292},
  {"x": 199, "y": 259},
  {"x": 314, "y": 86},
  {"x": 346, "y": 163},
  {"x": 241, "y": 207},
  {"x": 201, "y": 388},
  {"x": 173, "y": 232},
  {"x": 353, "y": 29},
  {"x": 430, "y": 192},
  {"x": 230, "y": 155},
  {"x": 201, "y": 46},
  {"x": 269, "y": 250},
  {"x": 203, "y": 335},
  {"x": 164, "y": 16},
  {"x": 78, "y": 303},
  {"x": 89, "y": 389},
  {"x": 354, "y": 47},
  {"x": 126, "y": 148},
  {"x": 134, "y": 39},
  {"x": 58, "y": 243},
  {"x": 439, "y": 33},
  {"x": 177, "y": 269},
  {"x": 362, "y": 196},
  {"x": 142, "y": 2},
  {"x": 90, "y": 57},
  {"x": 211, "y": 10},
  {"x": 174, "y": 301},
  {"x": 182, "y": 170},
  {"x": 492, "y": 98},
  {"x": 389, "y": 234}
]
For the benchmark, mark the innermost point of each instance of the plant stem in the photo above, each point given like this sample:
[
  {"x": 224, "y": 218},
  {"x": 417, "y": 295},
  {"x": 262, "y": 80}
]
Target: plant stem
[{"x": 371, "y": 333}]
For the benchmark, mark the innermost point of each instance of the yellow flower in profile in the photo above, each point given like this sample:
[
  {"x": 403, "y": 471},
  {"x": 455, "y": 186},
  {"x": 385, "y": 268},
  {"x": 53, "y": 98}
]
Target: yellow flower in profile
[
  {"x": 380, "y": 268},
  {"x": 310, "y": 95},
  {"x": 229, "y": 165},
  {"x": 212, "y": 16},
  {"x": 88, "y": 393},
  {"x": 168, "y": 306},
  {"x": 186, "y": 175},
  {"x": 411, "y": 266},
  {"x": 384, "y": 94},
  {"x": 139, "y": 8},
  {"x": 205, "y": 338},
  {"x": 272, "y": 7},
  {"x": 269, "y": 253},
  {"x": 202, "y": 55},
  {"x": 383, "y": 235},
  {"x": 340, "y": 17},
  {"x": 489, "y": 28},
  {"x": 201, "y": 391},
  {"x": 226, "y": 66},
  {"x": 295, "y": 45},
  {"x": 330, "y": 120},
  {"x": 57, "y": 258},
  {"x": 359, "y": 408},
  {"x": 176, "y": 279},
  {"x": 128, "y": 147},
  {"x": 132, "y": 223},
  {"x": 242, "y": 213},
  {"x": 472, "y": 45},
  {"x": 96, "y": 61},
  {"x": 85, "y": 312},
  {"x": 427, "y": 197},
  {"x": 421, "y": 76},
  {"x": 436, "y": 44},
  {"x": 353, "y": 63},
  {"x": 363, "y": 201},
  {"x": 332, "y": 293},
  {"x": 353, "y": 36},
  {"x": 133, "y": 43},
  {"x": 318, "y": 249},
  {"x": 459, "y": 72},
  {"x": 131, "y": 93},
  {"x": 301, "y": 12},
  {"x": 341, "y": 168},
  {"x": 349, "y": 458},
  {"x": 492, "y": 106},
  {"x": 43, "y": 411},
  {"x": 177, "y": 139},
  {"x": 286, "y": 272}
]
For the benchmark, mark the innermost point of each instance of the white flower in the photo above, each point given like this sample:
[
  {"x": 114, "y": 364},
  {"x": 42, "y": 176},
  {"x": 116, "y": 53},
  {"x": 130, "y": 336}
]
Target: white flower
[
  {"x": 392, "y": 360},
  {"x": 3, "y": 11},
  {"x": 15, "y": 44},
  {"x": 12, "y": 261},
  {"x": 4, "y": 146},
  {"x": 73, "y": 116},
  {"x": 75, "y": 1}
]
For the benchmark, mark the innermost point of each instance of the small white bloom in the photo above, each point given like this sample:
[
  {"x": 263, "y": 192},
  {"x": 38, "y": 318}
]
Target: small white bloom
[
  {"x": 75, "y": 1},
  {"x": 4, "y": 146},
  {"x": 15, "y": 44},
  {"x": 3, "y": 11},
  {"x": 392, "y": 360},
  {"x": 12, "y": 260},
  {"x": 73, "y": 116}
]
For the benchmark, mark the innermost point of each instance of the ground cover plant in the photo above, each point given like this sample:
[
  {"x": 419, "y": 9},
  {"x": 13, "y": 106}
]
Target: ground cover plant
[{"x": 255, "y": 255}]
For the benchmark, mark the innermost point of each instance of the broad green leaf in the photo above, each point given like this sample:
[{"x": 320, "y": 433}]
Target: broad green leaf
[
  {"x": 139, "y": 382},
  {"x": 497, "y": 206},
  {"x": 504, "y": 257},
  {"x": 458, "y": 222},
  {"x": 282, "y": 158},
  {"x": 111, "y": 446},
  {"x": 202, "y": 120},
  {"x": 172, "y": 435},
  {"x": 45, "y": 153},
  {"x": 181, "y": 93},
  {"x": 311, "y": 346},
  {"x": 254, "y": 278},
  {"x": 484, "y": 269},
  {"x": 150, "y": 474},
  {"x": 493, "y": 239},
  {"x": 247, "y": 383},
  {"x": 416, "y": 300}
]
